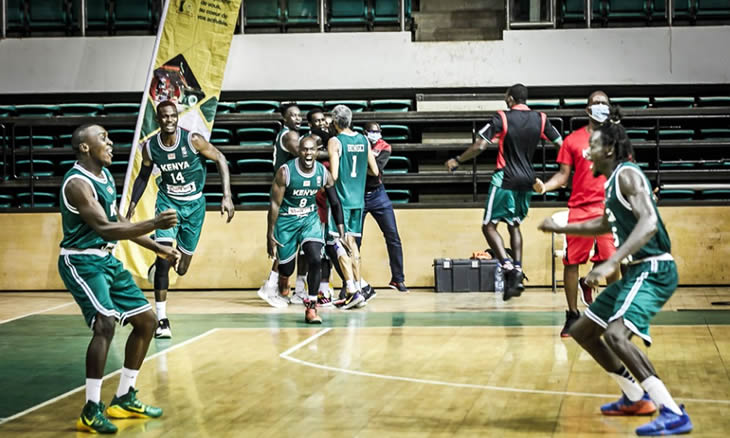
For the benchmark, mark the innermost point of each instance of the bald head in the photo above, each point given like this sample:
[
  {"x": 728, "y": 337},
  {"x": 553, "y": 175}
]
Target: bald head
[
  {"x": 80, "y": 135},
  {"x": 598, "y": 97}
]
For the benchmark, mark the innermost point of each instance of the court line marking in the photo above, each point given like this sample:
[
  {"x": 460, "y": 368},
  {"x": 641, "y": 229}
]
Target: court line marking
[
  {"x": 37, "y": 312},
  {"x": 287, "y": 355},
  {"x": 113, "y": 373}
]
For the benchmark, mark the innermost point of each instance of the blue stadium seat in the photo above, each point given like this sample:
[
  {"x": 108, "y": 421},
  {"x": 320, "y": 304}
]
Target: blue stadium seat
[
  {"x": 249, "y": 166},
  {"x": 40, "y": 199},
  {"x": 255, "y": 136},
  {"x": 399, "y": 196},
  {"x": 391, "y": 105},
  {"x": 257, "y": 106},
  {"x": 348, "y": 12},
  {"x": 81, "y": 109},
  {"x": 302, "y": 12},
  {"x": 253, "y": 198},
  {"x": 356, "y": 106},
  {"x": 262, "y": 13}
]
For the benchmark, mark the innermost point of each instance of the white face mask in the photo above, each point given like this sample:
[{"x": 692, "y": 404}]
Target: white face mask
[
  {"x": 374, "y": 136},
  {"x": 599, "y": 112}
]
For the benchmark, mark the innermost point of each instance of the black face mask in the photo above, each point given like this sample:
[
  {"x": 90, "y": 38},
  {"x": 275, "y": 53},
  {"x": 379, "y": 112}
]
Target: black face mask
[{"x": 324, "y": 135}]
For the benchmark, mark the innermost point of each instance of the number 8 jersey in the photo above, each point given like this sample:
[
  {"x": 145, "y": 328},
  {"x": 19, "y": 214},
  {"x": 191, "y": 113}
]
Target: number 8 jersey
[
  {"x": 302, "y": 188},
  {"x": 353, "y": 156},
  {"x": 182, "y": 169}
]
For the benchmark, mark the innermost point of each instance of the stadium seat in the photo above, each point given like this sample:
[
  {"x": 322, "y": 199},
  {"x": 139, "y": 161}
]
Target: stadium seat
[
  {"x": 7, "y": 110},
  {"x": 397, "y": 164},
  {"x": 64, "y": 166},
  {"x": 6, "y": 201},
  {"x": 249, "y": 166},
  {"x": 574, "y": 10},
  {"x": 399, "y": 196},
  {"x": 64, "y": 140},
  {"x": 37, "y": 110},
  {"x": 97, "y": 14},
  {"x": 395, "y": 133},
  {"x": 253, "y": 198},
  {"x": 133, "y": 14},
  {"x": 41, "y": 168},
  {"x": 575, "y": 103},
  {"x": 674, "y": 102},
  {"x": 306, "y": 105},
  {"x": 676, "y": 194},
  {"x": 713, "y": 8},
  {"x": 348, "y": 12},
  {"x": 122, "y": 138},
  {"x": 302, "y": 12},
  {"x": 676, "y": 165},
  {"x": 638, "y": 134},
  {"x": 716, "y": 194},
  {"x": 552, "y": 167},
  {"x": 675, "y": 134},
  {"x": 627, "y": 9},
  {"x": 119, "y": 167},
  {"x": 49, "y": 15},
  {"x": 39, "y": 141},
  {"x": 356, "y": 106},
  {"x": 81, "y": 109},
  {"x": 257, "y": 106},
  {"x": 121, "y": 109},
  {"x": 715, "y": 133},
  {"x": 391, "y": 105},
  {"x": 631, "y": 102},
  {"x": 225, "y": 108},
  {"x": 388, "y": 11},
  {"x": 543, "y": 104},
  {"x": 212, "y": 167},
  {"x": 17, "y": 16},
  {"x": 213, "y": 199},
  {"x": 221, "y": 136},
  {"x": 304, "y": 130},
  {"x": 549, "y": 196},
  {"x": 39, "y": 199},
  {"x": 682, "y": 9},
  {"x": 255, "y": 136},
  {"x": 714, "y": 101},
  {"x": 262, "y": 13}
]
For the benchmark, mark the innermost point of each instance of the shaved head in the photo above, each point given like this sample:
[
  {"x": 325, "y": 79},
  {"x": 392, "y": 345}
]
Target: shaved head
[
  {"x": 598, "y": 97},
  {"x": 80, "y": 135}
]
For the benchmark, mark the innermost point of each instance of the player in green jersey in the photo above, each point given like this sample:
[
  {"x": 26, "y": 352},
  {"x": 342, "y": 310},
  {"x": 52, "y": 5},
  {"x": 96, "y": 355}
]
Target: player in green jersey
[
  {"x": 180, "y": 155},
  {"x": 293, "y": 222},
  {"x": 626, "y": 307},
  {"x": 100, "y": 285}
]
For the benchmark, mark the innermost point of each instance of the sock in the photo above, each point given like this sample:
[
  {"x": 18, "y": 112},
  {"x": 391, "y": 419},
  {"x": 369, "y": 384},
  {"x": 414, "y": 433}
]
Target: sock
[
  {"x": 363, "y": 283},
  {"x": 93, "y": 390},
  {"x": 128, "y": 378},
  {"x": 161, "y": 307},
  {"x": 506, "y": 264},
  {"x": 299, "y": 285},
  {"x": 628, "y": 385},
  {"x": 351, "y": 287},
  {"x": 659, "y": 393},
  {"x": 324, "y": 287},
  {"x": 273, "y": 278},
  {"x": 518, "y": 265},
  {"x": 313, "y": 298}
]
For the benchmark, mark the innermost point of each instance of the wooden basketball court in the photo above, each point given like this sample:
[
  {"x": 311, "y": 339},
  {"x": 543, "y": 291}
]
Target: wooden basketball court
[{"x": 420, "y": 364}]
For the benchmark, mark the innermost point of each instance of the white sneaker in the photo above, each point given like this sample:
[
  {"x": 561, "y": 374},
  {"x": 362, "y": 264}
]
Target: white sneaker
[
  {"x": 270, "y": 294},
  {"x": 151, "y": 273},
  {"x": 298, "y": 297},
  {"x": 163, "y": 330}
]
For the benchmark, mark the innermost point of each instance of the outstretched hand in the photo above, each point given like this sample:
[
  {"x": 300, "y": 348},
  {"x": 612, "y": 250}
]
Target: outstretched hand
[
  {"x": 227, "y": 208},
  {"x": 451, "y": 164}
]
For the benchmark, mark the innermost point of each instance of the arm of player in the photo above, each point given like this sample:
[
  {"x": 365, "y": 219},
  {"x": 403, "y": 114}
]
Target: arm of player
[
  {"x": 291, "y": 142},
  {"x": 168, "y": 253},
  {"x": 372, "y": 162},
  {"x": 333, "y": 146},
  {"x": 472, "y": 151},
  {"x": 335, "y": 206},
  {"x": 140, "y": 184},
  {"x": 278, "y": 187},
  {"x": 212, "y": 153},
  {"x": 555, "y": 182},
  {"x": 593, "y": 227},
  {"x": 80, "y": 195}
]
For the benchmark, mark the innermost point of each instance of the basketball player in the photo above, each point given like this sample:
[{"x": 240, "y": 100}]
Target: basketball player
[
  {"x": 625, "y": 308},
  {"x": 180, "y": 155},
  {"x": 103, "y": 289}
]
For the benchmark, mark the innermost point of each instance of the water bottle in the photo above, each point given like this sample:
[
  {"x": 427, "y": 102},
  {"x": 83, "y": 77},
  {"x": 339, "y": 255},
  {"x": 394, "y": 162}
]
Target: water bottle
[{"x": 498, "y": 280}]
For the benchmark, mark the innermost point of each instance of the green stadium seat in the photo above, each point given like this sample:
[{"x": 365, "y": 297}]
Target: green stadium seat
[
  {"x": 306, "y": 105},
  {"x": 249, "y": 166},
  {"x": 262, "y": 13},
  {"x": 6, "y": 201},
  {"x": 714, "y": 101},
  {"x": 37, "y": 110},
  {"x": 399, "y": 196},
  {"x": 119, "y": 167},
  {"x": 715, "y": 133},
  {"x": 253, "y": 198},
  {"x": 553, "y": 167},
  {"x": 51, "y": 15},
  {"x": 676, "y": 134},
  {"x": 676, "y": 166},
  {"x": 388, "y": 11},
  {"x": 395, "y": 133},
  {"x": 212, "y": 167},
  {"x": 716, "y": 194},
  {"x": 133, "y": 14},
  {"x": 356, "y": 106},
  {"x": 391, "y": 105},
  {"x": 302, "y": 12},
  {"x": 81, "y": 109},
  {"x": 64, "y": 140},
  {"x": 7, "y": 110},
  {"x": 97, "y": 14},
  {"x": 257, "y": 106},
  {"x": 39, "y": 199},
  {"x": 674, "y": 102},
  {"x": 121, "y": 109},
  {"x": 39, "y": 141},
  {"x": 682, "y": 9},
  {"x": 713, "y": 8},
  {"x": 225, "y": 108},
  {"x": 64, "y": 166},
  {"x": 397, "y": 164},
  {"x": 213, "y": 199},
  {"x": 678, "y": 194},
  {"x": 627, "y": 9},
  {"x": 549, "y": 196},
  {"x": 256, "y": 136},
  {"x": 221, "y": 136},
  {"x": 17, "y": 16},
  {"x": 543, "y": 104},
  {"x": 631, "y": 102},
  {"x": 638, "y": 134},
  {"x": 643, "y": 166},
  {"x": 122, "y": 138},
  {"x": 348, "y": 12},
  {"x": 41, "y": 168},
  {"x": 575, "y": 103},
  {"x": 574, "y": 10}
]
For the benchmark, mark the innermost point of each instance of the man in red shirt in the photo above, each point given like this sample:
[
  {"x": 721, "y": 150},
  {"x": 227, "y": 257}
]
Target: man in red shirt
[{"x": 586, "y": 203}]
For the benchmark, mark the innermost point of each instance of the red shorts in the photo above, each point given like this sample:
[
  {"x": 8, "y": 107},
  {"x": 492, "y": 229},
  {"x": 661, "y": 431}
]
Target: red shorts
[{"x": 578, "y": 248}]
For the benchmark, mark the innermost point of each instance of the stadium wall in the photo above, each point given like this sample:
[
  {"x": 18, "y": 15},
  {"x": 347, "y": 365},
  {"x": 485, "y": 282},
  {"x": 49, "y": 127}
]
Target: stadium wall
[
  {"x": 234, "y": 255},
  {"x": 386, "y": 60}
]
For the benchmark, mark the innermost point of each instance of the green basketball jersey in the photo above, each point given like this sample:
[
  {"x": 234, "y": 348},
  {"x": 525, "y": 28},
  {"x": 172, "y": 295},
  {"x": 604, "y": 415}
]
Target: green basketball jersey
[
  {"x": 281, "y": 153},
  {"x": 623, "y": 220},
  {"x": 353, "y": 170},
  {"x": 77, "y": 233},
  {"x": 182, "y": 169},
  {"x": 302, "y": 188}
]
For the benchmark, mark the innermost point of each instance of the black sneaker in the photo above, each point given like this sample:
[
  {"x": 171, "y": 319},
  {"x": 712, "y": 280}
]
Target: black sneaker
[
  {"x": 399, "y": 286},
  {"x": 513, "y": 286},
  {"x": 163, "y": 330},
  {"x": 570, "y": 319},
  {"x": 368, "y": 293}
]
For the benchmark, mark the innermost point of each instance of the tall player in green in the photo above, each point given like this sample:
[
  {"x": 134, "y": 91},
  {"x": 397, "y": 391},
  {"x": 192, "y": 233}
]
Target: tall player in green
[
  {"x": 626, "y": 307},
  {"x": 180, "y": 155},
  {"x": 103, "y": 289},
  {"x": 350, "y": 160},
  {"x": 293, "y": 222}
]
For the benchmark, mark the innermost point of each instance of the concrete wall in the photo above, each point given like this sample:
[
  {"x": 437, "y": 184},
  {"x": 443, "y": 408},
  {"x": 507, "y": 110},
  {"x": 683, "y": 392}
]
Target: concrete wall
[{"x": 680, "y": 55}]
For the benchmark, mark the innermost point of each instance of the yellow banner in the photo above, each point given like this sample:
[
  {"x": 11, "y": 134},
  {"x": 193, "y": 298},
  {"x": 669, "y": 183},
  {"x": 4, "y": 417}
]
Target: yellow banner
[{"x": 190, "y": 56}]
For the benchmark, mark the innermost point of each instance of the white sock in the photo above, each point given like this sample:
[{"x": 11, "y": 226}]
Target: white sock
[
  {"x": 628, "y": 385},
  {"x": 324, "y": 287},
  {"x": 313, "y": 298},
  {"x": 351, "y": 286},
  {"x": 161, "y": 307},
  {"x": 128, "y": 378},
  {"x": 273, "y": 278},
  {"x": 659, "y": 393},
  {"x": 299, "y": 285},
  {"x": 363, "y": 283},
  {"x": 93, "y": 390}
]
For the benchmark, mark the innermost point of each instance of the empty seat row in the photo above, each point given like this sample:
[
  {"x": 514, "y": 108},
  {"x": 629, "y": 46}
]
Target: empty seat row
[
  {"x": 635, "y": 102},
  {"x": 609, "y": 11},
  {"x": 70, "y": 109},
  {"x": 275, "y": 13}
]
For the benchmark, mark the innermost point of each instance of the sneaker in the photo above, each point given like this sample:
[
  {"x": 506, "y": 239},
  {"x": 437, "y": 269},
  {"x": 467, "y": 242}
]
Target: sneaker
[
  {"x": 151, "y": 273},
  {"x": 624, "y": 406},
  {"x": 298, "y": 297},
  {"x": 586, "y": 292},
  {"x": 368, "y": 293},
  {"x": 163, "y": 330},
  {"x": 310, "y": 313},
  {"x": 570, "y": 319},
  {"x": 399, "y": 286},
  {"x": 352, "y": 300},
  {"x": 323, "y": 300},
  {"x": 513, "y": 284},
  {"x": 92, "y": 419},
  {"x": 129, "y": 406},
  {"x": 667, "y": 423},
  {"x": 270, "y": 293}
]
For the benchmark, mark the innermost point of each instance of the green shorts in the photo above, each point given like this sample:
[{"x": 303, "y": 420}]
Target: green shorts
[
  {"x": 506, "y": 205},
  {"x": 101, "y": 285},
  {"x": 637, "y": 297},
  {"x": 190, "y": 217},
  {"x": 352, "y": 221},
  {"x": 292, "y": 231}
]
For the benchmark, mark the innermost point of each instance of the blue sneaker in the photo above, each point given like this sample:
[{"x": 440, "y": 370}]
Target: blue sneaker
[
  {"x": 624, "y": 406},
  {"x": 667, "y": 423}
]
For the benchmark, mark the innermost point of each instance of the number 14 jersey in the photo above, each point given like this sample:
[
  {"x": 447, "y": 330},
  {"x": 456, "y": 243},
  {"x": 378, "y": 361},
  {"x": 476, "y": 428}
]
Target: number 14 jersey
[{"x": 182, "y": 168}]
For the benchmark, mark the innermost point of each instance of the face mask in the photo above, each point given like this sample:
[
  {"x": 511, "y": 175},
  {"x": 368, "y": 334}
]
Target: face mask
[
  {"x": 599, "y": 112},
  {"x": 374, "y": 137}
]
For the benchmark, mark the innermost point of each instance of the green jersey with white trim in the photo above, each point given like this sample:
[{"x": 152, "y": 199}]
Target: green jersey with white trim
[
  {"x": 182, "y": 168},
  {"x": 78, "y": 234},
  {"x": 302, "y": 188},
  {"x": 353, "y": 156},
  {"x": 281, "y": 153},
  {"x": 623, "y": 221}
]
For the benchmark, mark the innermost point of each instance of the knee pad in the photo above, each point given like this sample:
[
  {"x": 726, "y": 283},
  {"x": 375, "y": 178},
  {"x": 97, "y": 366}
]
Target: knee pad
[{"x": 162, "y": 277}]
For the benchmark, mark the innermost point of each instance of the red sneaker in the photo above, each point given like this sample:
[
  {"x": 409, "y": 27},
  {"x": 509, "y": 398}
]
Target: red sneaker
[{"x": 586, "y": 292}]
